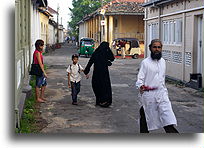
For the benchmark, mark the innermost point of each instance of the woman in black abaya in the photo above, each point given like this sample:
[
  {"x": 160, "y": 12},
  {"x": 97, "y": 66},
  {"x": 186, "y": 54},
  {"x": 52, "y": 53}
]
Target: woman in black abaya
[{"x": 102, "y": 58}]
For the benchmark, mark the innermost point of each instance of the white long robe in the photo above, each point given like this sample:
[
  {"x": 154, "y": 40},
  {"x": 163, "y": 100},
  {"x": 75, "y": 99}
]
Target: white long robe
[{"x": 156, "y": 104}]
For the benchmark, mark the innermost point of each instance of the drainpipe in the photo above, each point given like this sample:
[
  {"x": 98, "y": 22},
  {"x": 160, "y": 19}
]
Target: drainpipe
[
  {"x": 183, "y": 39},
  {"x": 146, "y": 41},
  {"x": 159, "y": 23},
  {"x": 17, "y": 119}
]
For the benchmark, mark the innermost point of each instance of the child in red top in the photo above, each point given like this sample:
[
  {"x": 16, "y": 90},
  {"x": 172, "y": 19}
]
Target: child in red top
[{"x": 40, "y": 80}]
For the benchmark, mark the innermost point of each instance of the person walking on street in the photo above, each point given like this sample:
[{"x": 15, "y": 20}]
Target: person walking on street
[
  {"x": 40, "y": 80},
  {"x": 101, "y": 58},
  {"x": 156, "y": 110},
  {"x": 122, "y": 45},
  {"x": 74, "y": 77}
]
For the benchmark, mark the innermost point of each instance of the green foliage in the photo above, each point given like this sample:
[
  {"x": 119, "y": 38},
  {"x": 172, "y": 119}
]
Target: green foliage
[
  {"x": 27, "y": 122},
  {"x": 80, "y": 9},
  {"x": 45, "y": 67}
]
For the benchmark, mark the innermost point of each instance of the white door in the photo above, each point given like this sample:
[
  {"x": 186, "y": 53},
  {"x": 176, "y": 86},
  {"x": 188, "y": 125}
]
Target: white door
[{"x": 199, "y": 45}]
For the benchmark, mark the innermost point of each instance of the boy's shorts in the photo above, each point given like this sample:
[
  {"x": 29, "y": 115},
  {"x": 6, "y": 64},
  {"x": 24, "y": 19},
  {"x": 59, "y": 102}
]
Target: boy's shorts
[{"x": 40, "y": 81}]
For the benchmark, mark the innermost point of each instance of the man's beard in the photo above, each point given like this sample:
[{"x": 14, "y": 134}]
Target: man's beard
[{"x": 156, "y": 56}]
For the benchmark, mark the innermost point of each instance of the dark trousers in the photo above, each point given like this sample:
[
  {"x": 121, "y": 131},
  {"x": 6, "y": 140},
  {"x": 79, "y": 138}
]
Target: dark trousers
[
  {"x": 144, "y": 128},
  {"x": 75, "y": 90}
]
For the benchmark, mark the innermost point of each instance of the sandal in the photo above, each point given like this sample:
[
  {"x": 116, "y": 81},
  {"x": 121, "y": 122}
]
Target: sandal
[{"x": 104, "y": 104}]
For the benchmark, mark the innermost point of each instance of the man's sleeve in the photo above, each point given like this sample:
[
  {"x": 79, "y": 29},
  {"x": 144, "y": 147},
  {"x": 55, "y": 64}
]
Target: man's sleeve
[{"x": 141, "y": 76}]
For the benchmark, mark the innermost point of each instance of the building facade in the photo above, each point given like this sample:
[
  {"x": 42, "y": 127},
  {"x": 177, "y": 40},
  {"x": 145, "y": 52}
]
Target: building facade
[
  {"x": 117, "y": 19},
  {"x": 44, "y": 21},
  {"x": 27, "y": 30},
  {"x": 179, "y": 25}
]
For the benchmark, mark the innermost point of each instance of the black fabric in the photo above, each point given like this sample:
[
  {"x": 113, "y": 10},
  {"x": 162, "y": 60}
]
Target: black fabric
[
  {"x": 36, "y": 70},
  {"x": 143, "y": 123},
  {"x": 170, "y": 129},
  {"x": 101, "y": 58},
  {"x": 144, "y": 128}
]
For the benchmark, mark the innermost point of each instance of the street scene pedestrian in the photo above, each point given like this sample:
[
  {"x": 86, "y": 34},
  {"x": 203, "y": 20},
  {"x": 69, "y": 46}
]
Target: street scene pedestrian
[
  {"x": 101, "y": 58},
  {"x": 74, "y": 77},
  {"x": 156, "y": 110},
  {"x": 122, "y": 45},
  {"x": 40, "y": 79}
]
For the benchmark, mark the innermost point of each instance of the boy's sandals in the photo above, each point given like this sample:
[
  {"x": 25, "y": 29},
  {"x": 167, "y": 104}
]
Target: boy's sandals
[{"x": 74, "y": 103}]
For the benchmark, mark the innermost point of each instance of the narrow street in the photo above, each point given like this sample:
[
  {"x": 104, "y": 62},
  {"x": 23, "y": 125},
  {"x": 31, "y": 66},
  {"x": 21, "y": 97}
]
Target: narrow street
[{"x": 122, "y": 116}]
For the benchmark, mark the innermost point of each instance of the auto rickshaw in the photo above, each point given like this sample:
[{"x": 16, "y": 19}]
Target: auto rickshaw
[
  {"x": 132, "y": 47},
  {"x": 86, "y": 47}
]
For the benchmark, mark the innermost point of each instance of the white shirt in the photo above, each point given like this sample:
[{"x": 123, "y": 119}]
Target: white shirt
[
  {"x": 74, "y": 70},
  {"x": 152, "y": 73},
  {"x": 156, "y": 104}
]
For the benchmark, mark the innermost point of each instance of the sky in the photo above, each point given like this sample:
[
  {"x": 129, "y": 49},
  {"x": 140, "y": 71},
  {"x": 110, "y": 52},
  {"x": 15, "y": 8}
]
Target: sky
[{"x": 63, "y": 11}]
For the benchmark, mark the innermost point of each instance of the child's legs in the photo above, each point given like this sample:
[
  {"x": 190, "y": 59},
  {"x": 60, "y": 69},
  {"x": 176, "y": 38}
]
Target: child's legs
[
  {"x": 74, "y": 92},
  {"x": 78, "y": 87},
  {"x": 38, "y": 86},
  {"x": 44, "y": 84},
  {"x": 42, "y": 92},
  {"x": 37, "y": 89}
]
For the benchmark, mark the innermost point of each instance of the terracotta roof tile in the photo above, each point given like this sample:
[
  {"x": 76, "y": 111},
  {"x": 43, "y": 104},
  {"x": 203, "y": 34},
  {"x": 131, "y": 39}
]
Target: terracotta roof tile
[{"x": 125, "y": 6}]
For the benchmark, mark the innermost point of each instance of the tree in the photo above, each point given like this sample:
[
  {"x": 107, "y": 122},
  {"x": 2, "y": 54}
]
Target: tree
[{"x": 80, "y": 9}]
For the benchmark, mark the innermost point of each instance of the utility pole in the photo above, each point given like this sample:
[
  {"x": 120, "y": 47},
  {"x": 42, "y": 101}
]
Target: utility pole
[
  {"x": 57, "y": 23},
  {"x": 101, "y": 3}
]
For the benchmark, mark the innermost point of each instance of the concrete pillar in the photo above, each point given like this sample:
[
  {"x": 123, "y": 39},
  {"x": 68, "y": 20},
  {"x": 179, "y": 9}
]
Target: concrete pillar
[
  {"x": 106, "y": 29},
  {"x": 120, "y": 27},
  {"x": 110, "y": 39}
]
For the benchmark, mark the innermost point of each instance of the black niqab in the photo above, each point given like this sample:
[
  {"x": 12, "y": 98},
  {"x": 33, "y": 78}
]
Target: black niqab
[{"x": 101, "y": 58}]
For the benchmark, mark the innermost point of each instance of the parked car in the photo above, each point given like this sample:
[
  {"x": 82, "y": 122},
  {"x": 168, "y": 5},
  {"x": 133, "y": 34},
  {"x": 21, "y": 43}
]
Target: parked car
[{"x": 86, "y": 47}]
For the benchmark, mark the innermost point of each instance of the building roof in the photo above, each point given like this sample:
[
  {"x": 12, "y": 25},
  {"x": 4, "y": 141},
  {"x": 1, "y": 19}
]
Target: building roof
[
  {"x": 45, "y": 11},
  {"x": 124, "y": 7},
  {"x": 119, "y": 7},
  {"x": 156, "y": 3},
  {"x": 52, "y": 11}
]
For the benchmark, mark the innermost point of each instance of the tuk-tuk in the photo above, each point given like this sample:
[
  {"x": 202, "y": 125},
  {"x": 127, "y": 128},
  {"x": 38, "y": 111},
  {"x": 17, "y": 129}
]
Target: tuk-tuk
[
  {"x": 86, "y": 47},
  {"x": 132, "y": 47}
]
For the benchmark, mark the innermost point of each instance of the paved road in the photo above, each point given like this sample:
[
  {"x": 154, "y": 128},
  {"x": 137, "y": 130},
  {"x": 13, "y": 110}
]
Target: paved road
[{"x": 122, "y": 116}]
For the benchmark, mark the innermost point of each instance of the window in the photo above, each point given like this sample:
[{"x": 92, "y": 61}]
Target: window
[
  {"x": 172, "y": 32},
  {"x": 178, "y": 36},
  {"x": 153, "y": 32}
]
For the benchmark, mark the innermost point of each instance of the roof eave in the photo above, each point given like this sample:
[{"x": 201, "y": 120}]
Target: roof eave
[
  {"x": 124, "y": 13},
  {"x": 156, "y": 3}
]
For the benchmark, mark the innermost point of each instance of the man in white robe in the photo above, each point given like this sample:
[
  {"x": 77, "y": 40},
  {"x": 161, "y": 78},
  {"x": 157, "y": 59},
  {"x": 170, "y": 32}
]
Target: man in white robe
[{"x": 155, "y": 107}]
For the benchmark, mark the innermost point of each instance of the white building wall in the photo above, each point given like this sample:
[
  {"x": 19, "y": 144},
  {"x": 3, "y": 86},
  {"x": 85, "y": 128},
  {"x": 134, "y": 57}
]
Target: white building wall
[
  {"x": 180, "y": 55},
  {"x": 35, "y": 28},
  {"x": 51, "y": 34},
  {"x": 61, "y": 36}
]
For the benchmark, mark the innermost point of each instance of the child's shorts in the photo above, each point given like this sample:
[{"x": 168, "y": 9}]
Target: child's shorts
[{"x": 41, "y": 81}]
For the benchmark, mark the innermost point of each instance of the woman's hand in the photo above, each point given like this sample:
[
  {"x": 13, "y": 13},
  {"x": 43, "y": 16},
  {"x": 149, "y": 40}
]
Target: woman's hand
[{"x": 87, "y": 76}]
